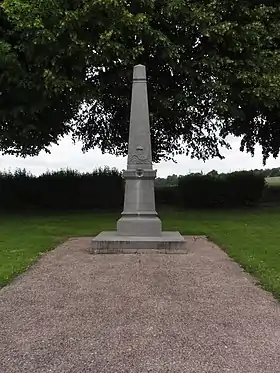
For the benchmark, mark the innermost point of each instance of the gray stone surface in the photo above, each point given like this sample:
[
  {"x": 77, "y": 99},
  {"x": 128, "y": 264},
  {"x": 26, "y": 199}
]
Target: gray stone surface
[
  {"x": 139, "y": 217},
  {"x": 140, "y": 226},
  {"x": 112, "y": 243},
  {"x": 79, "y": 313}
]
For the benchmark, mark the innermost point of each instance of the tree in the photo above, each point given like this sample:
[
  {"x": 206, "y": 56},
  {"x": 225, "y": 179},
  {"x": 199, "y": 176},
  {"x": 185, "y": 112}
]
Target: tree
[
  {"x": 213, "y": 69},
  {"x": 274, "y": 172},
  {"x": 172, "y": 180},
  {"x": 213, "y": 173}
]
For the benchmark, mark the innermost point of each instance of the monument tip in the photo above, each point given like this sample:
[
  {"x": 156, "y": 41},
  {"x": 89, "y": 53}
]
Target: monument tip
[{"x": 139, "y": 72}]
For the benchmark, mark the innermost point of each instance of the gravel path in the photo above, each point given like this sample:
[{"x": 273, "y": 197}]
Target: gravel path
[{"x": 198, "y": 312}]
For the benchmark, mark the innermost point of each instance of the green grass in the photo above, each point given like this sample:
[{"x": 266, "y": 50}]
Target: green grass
[
  {"x": 252, "y": 238},
  {"x": 273, "y": 181}
]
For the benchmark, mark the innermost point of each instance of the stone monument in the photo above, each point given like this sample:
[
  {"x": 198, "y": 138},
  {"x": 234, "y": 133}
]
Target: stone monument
[{"x": 139, "y": 227}]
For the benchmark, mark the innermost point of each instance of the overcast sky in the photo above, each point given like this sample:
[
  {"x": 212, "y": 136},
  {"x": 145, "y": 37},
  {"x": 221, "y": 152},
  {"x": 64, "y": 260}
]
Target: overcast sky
[{"x": 67, "y": 155}]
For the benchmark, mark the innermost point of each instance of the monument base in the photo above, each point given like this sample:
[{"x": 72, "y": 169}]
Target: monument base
[
  {"x": 112, "y": 243},
  {"x": 139, "y": 226}
]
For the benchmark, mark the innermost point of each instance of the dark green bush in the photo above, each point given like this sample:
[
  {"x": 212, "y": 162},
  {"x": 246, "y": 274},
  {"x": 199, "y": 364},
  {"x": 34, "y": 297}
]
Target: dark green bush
[
  {"x": 271, "y": 195},
  {"x": 201, "y": 191},
  {"x": 245, "y": 188},
  {"x": 229, "y": 190},
  {"x": 62, "y": 190},
  {"x": 166, "y": 195},
  {"x": 104, "y": 189},
  {"x": 16, "y": 190}
]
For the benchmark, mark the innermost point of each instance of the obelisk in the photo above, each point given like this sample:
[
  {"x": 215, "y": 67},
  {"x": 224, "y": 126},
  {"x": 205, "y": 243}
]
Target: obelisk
[
  {"x": 139, "y": 228},
  {"x": 139, "y": 217}
]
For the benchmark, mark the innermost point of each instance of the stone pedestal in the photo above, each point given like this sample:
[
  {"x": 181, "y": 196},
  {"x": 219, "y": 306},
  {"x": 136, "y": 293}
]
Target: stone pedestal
[
  {"x": 139, "y": 227},
  {"x": 139, "y": 217}
]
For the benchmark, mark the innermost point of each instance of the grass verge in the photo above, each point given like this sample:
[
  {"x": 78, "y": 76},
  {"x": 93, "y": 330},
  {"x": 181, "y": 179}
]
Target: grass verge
[{"x": 252, "y": 238}]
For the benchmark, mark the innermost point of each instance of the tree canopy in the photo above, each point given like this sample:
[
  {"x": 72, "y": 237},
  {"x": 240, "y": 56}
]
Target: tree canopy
[{"x": 213, "y": 70}]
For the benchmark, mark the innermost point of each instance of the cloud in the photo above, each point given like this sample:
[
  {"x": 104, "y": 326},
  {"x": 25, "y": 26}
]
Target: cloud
[{"x": 68, "y": 155}]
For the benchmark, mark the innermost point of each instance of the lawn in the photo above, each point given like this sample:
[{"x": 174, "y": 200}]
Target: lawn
[
  {"x": 273, "y": 181},
  {"x": 252, "y": 238}
]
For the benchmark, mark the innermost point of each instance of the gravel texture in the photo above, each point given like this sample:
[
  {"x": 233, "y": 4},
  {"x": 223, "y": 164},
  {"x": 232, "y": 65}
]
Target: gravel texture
[{"x": 198, "y": 312}]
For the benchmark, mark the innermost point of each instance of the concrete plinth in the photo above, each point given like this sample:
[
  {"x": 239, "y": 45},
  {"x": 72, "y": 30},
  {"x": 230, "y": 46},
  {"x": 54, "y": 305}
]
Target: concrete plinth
[
  {"x": 139, "y": 226},
  {"x": 112, "y": 243}
]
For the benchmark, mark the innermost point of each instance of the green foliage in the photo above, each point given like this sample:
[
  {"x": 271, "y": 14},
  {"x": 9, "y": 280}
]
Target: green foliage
[
  {"x": 170, "y": 181},
  {"x": 166, "y": 196},
  {"x": 232, "y": 190},
  {"x": 62, "y": 190},
  {"x": 104, "y": 189},
  {"x": 244, "y": 188},
  {"x": 274, "y": 172},
  {"x": 213, "y": 68},
  {"x": 271, "y": 195}
]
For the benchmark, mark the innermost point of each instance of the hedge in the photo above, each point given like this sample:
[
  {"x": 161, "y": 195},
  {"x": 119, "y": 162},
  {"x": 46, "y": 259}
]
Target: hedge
[
  {"x": 167, "y": 195},
  {"x": 62, "y": 190},
  {"x": 271, "y": 195},
  {"x": 103, "y": 189},
  {"x": 230, "y": 190}
]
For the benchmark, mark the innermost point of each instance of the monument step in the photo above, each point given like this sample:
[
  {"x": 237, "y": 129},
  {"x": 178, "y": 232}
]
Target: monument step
[{"x": 112, "y": 243}]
